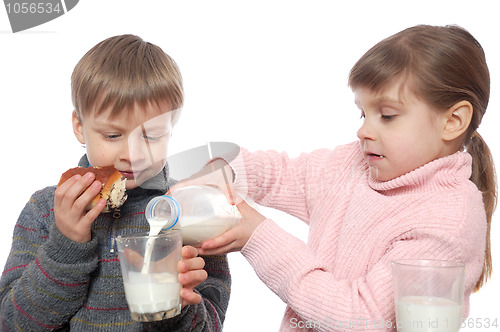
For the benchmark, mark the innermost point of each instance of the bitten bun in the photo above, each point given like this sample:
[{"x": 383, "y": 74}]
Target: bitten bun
[{"x": 113, "y": 185}]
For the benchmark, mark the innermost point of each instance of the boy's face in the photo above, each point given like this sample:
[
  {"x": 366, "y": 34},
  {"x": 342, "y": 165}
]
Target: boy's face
[
  {"x": 398, "y": 136},
  {"x": 134, "y": 142}
]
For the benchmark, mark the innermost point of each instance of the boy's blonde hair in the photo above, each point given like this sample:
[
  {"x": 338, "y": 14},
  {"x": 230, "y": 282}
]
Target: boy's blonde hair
[{"x": 122, "y": 71}]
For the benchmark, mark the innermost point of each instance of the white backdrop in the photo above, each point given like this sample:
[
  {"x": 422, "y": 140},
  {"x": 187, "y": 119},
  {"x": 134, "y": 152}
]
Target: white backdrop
[{"x": 262, "y": 74}]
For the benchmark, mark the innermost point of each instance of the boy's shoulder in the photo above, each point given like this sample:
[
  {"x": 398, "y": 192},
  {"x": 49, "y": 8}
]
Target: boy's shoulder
[{"x": 43, "y": 199}]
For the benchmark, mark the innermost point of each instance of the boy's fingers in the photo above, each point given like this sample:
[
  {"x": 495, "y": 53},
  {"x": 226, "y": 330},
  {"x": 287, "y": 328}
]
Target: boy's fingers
[
  {"x": 189, "y": 297},
  {"x": 187, "y": 265},
  {"x": 92, "y": 215},
  {"x": 189, "y": 252},
  {"x": 192, "y": 279},
  {"x": 88, "y": 195}
]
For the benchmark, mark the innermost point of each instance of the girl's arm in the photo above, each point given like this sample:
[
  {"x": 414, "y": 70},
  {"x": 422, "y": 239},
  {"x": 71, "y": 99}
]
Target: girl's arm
[{"x": 304, "y": 282}]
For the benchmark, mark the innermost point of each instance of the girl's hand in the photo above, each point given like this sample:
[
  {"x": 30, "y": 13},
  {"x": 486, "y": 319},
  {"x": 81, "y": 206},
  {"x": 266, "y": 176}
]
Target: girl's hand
[
  {"x": 70, "y": 200},
  {"x": 235, "y": 238},
  {"x": 191, "y": 274}
]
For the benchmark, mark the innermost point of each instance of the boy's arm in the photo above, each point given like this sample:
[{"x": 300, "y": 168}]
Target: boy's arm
[
  {"x": 45, "y": 280},
  {"x": 208, "y": 315}
]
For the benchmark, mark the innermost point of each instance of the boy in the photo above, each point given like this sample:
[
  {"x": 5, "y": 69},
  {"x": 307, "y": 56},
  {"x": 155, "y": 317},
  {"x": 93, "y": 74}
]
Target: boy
[{"x": 63, "y": 271}]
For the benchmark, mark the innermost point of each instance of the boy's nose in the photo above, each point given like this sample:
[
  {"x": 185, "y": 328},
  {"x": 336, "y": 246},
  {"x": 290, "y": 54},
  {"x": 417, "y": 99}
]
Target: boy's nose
[{"x": 132, "y": 151}]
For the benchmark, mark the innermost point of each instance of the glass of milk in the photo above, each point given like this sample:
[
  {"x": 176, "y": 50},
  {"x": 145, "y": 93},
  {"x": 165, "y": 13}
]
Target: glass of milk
[
  {"x": 149, "y": 269},
  {"x": 428, "y": 295}
]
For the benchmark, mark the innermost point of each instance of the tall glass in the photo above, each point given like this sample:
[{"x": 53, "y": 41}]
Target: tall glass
[
  {"x": 428, "y": 295},
  {"x": 149, "y": 269}
]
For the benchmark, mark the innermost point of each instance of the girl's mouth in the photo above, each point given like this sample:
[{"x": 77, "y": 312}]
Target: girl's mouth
[{"x": 372, "y": 157}]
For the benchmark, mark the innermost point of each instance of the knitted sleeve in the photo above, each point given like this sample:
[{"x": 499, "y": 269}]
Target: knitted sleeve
[
  {"x": 46, "y": 276},
  {"x": 208, "y": 315},
  {"x": 305, "y": 283},
  {"x": 273, "y": 179}
]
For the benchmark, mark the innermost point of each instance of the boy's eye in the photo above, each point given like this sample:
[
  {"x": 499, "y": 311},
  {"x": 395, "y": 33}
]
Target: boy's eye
[{"x": 112, "y": 136}]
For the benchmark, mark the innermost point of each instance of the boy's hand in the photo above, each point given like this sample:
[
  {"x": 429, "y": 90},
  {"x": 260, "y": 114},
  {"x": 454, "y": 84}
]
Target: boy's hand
[
  {"x": 70, "y": 200},
  {"x": 191, "y": 274},
  {"x": 235, "y": 238}
]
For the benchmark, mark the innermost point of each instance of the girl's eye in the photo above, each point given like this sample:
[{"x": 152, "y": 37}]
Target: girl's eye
[
  {"x": 388, "y": 117},
  {"x": 153, "y": 138}
]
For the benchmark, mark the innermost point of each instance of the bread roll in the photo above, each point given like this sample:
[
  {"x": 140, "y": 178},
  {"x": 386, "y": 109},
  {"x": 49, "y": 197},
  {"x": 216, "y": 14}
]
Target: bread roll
[{"x": 113, "y": 185}]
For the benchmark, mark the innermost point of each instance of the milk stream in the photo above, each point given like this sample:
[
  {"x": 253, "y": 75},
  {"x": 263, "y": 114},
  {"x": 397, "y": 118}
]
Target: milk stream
[
  {"x": 155, "y": 226},
  {"x": 427, "y": 314}
]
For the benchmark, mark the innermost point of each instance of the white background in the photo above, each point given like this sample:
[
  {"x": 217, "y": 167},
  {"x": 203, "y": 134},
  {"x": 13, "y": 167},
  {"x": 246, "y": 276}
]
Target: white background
[{"x": 262, "y": 74}]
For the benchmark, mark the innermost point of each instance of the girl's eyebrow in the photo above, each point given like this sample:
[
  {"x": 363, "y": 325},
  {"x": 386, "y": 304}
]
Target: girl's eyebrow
[{"x": 387, "y": 100}]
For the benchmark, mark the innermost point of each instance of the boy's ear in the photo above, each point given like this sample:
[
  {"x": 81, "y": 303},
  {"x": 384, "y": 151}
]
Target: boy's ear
[
  {"x": 458, "y": 118},
  {"x": 78, "y": 128}
]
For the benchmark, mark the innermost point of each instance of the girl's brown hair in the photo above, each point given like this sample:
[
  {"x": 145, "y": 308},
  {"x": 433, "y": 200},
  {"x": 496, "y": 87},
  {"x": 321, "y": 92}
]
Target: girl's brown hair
[
  {"x": 122, "y": 71},
  {"x": 442, "y": 65}
]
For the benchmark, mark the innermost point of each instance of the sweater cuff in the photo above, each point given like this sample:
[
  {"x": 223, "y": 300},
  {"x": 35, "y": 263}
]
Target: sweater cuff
[
  {"x": 240, "y": 180},
  {"x": 275, "y": 254},
  {"x": 63, "y": 250}
]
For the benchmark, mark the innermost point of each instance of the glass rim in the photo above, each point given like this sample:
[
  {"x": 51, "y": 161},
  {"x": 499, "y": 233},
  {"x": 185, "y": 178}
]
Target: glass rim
[
  {"x": 427, "y": 263},
  {"x": 145, "y": 235}
]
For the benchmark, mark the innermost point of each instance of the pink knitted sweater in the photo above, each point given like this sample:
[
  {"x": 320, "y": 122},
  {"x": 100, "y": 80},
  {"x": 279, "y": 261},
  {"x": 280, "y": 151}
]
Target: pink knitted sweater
[{"x": 340, "y": 280}]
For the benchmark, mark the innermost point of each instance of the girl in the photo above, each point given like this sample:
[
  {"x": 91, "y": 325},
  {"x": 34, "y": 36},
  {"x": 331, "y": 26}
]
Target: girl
[{"x": 420, "y": 184}]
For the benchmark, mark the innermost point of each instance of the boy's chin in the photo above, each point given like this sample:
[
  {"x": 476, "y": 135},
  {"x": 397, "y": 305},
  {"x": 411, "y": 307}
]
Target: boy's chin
[{"x": 131, "y": 184}]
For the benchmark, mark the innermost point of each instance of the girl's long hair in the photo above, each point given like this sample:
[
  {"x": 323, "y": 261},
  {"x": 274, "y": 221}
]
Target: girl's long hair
[{"x": 443, "y": 65}]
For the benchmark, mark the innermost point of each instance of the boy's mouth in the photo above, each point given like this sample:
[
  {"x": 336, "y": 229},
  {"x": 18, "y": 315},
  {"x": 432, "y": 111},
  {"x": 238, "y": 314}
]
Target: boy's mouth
[{"x": 129, "y": 175}]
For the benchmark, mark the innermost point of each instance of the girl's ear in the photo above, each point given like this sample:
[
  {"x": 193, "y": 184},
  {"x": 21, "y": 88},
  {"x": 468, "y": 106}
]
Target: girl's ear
[
  {"x": 78, "y": 128},
  {"x": 458, "y": 118}
]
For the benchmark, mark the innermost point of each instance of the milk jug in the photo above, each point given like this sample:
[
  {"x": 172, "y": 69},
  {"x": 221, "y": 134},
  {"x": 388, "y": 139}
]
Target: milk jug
[{"x": 200, "y": 212}]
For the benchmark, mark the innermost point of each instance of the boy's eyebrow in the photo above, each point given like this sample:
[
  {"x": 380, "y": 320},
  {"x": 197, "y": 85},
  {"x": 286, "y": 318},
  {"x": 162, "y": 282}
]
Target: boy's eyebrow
[{"x": 108, "y": 124}]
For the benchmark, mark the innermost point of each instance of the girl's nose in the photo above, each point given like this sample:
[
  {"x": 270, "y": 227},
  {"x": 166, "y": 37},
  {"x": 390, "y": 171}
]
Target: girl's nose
[{"x": 365, "y": 132}]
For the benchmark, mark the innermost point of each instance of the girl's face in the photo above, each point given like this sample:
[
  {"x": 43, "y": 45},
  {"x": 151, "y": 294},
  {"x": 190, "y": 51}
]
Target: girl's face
[
  {"x": 399, "y": 133},
  {"x": 135, "y": 144}
]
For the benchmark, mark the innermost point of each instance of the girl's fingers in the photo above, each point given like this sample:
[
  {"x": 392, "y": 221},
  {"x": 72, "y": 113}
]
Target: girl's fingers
[
  {"x": 220, "y": 250},
  {"x": 220, "y": 241}
]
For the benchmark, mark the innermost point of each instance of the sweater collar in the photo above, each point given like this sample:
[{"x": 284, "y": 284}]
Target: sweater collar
[{"x": 443, "y": 172}]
